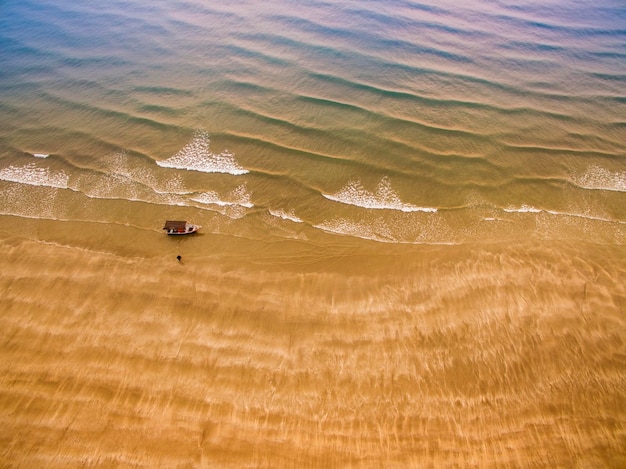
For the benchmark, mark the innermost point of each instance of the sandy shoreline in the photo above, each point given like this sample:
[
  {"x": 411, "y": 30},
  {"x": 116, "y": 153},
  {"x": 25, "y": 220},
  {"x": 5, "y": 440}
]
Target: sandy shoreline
[{"x": 492, "y": 356}]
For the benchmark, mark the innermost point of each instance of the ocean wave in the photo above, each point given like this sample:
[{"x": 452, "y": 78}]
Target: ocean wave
[
  {"x": 197, "y": 156},
  {"x": 380, "y": 230},
  {"x": 41, "y": 155},
  {"x": 598, "y": 178},
  {"x": 495, "y": 219},
  {"x": 587, "y": 216},
  {"x": 34, "y": 175},
  {"x": 342, "y": 226},
  {"x": 172, "y": 186},
  {"x": 418, "y": 98},
  {"x": 523, "y": 209},
  {"x": 422, "y": 124},
  {"x": 234, "y": 204},
  {"x": 239, "y": 196},
  {"x": 118, "y": 178},
  {"x": 115, "y": 187},
  {"x": 285, "y": 215},
  {"x": 383, "y": 198}
]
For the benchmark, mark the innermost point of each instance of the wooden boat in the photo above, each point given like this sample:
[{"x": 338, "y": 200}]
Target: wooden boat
[{"x": 180, "y": 227}]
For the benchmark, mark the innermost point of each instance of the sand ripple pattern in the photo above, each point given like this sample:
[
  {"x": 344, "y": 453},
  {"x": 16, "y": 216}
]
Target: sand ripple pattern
[{"x": 440, "y": 363}]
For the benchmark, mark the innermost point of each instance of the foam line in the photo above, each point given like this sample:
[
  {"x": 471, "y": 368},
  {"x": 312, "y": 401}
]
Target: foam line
[{"x": 279, "y": 213}]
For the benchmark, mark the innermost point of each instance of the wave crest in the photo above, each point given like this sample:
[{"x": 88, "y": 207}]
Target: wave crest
[
  {"x": 598, "y": 178},
  {"x": 523, "y": 209},
  {"x": 197, "y": 156},
  {"x": 370, "y": 231},
  {"x": 237, "y": 197},
  {"x": 35, "y": 176},
  {"x": 285, "y": 215},
  {"x": 383, "y": 198}
]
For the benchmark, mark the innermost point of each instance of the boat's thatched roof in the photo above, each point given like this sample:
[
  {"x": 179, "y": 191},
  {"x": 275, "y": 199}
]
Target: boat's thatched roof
[{"x": 175, "y": 225}]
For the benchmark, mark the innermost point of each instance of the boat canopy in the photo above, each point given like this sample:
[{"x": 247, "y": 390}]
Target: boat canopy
[{"x": 175, "y": 225}]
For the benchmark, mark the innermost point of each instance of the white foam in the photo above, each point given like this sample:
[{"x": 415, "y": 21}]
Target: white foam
[
  {"x": 345, "y": 227},
  {"x": 585, "y": 216},
  {"x": 530, "y": 209},
  {"x": 124, "y": 179},
  {"x": 496, "y": 219},
  {"x": 196, "y": 156},
  {"x": 35, "y": 176},
  {"x": 286, "y": 215},
  {"x": 379, "y": 231},
  {"x": 41, "y": 155},
  {"x": 173, "y": 186},
  {"x": 237, "y": 197},
  {"x": 241, "y": 196},
  {"x": 597, "y": 178},
  {"x": 523, "y": 209},
  {"x": 383, "y": 198},
  {"x": 211, "y": 198}
]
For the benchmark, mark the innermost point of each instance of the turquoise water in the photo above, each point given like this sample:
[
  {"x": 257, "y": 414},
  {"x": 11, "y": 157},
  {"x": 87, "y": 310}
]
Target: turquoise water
[{"x": 397, "y": 122}]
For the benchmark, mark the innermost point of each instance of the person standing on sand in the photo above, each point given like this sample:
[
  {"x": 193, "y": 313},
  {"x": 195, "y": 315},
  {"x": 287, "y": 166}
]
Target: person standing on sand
[{"x": 179, "y": 258}]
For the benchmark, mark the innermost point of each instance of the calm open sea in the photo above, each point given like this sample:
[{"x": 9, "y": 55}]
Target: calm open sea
[{"x": 344, "y": 122}]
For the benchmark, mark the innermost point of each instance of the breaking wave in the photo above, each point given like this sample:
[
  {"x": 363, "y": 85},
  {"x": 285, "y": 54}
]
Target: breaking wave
[
  {"x": 597, "y": 178},
  {"x": 197, "y": 156},
  {"x": 34, "y": 175},
  {"x": 534, "y": 210},
  {"x": 523, "y": 209},
  {"x": 286, "y": 215},
  {"x": 430, "y": 230},
  {"x": 237, "y": 197},
  {"x": 383, "y": 198},
  {"x": 373, "y": 232}
]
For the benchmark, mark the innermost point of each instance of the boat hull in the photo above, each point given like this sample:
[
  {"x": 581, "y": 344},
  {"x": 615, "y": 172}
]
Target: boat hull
[
  {"x": 178, "y": 228},
  {"x": 190, "y": 230}
]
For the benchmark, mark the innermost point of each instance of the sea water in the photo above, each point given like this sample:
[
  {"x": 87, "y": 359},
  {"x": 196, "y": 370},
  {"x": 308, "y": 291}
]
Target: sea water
[{"x": 410, "y": 123}]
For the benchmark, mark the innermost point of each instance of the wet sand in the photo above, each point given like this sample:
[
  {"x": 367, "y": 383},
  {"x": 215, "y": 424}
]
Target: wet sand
[{"x": 450, "y": 356}]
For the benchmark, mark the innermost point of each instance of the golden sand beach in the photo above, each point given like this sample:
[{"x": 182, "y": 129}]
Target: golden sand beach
[{"x": 452, "y": 356}]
